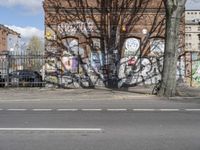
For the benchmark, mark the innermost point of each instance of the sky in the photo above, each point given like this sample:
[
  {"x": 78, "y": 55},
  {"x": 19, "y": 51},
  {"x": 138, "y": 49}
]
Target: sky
[
  {"x": 27, "y": 16},
  {"x": 24, "y": 16}
]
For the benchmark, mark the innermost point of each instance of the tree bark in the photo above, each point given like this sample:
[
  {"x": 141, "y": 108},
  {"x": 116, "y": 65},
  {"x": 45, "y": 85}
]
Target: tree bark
[{"x": 174, "y": 11}]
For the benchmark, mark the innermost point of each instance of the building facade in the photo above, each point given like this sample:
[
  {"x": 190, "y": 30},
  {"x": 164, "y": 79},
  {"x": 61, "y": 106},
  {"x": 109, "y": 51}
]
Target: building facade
[
  {"x": 106, "y": 39},
  {"x": 192, "y": 46},
  {"x": 3, "y": 38},
  {"x": 9, "y": 39},
  {"x": 192, "y": 28}
]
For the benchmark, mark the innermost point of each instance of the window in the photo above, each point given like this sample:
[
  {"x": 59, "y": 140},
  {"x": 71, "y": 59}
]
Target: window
[
  {"x": 190, "y": 45},
  {"x": 187, "y": 45}
]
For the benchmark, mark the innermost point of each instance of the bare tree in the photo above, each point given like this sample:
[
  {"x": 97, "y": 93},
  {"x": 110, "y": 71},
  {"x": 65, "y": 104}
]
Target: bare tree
[
  {"x": 34, "y": 52},
  {"x": 110, "y": 21},
  {"x": 35, "y": 45},
  {"x": 174, "y": 12}
]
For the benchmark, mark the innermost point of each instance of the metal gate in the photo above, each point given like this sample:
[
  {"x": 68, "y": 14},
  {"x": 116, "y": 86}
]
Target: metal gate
[{"x": 21, "y": 69}]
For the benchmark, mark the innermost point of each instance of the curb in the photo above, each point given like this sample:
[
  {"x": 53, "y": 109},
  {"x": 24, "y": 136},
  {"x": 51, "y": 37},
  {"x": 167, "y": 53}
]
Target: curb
[
  {"x": 186, "y": 99},
  {"x": 81, "y": 98}
]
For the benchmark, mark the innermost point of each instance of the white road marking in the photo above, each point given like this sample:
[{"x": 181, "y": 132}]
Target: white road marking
[
  {"x": 98, "y": 110},
  {"x": 168, "y": 110},
  {"x": 16, "y": 109},
  {"x": 42, "y": 109},
  {"x": 192, "y": 109},
  {"x": 116, "y": 109},
  {"x": 67, "y": 109},
  {"x": 51, "y": 129},
  {"x": 91, "y": 109},
  {"x": 144, "y": 110},
  {"x": 17, "y": 100}
]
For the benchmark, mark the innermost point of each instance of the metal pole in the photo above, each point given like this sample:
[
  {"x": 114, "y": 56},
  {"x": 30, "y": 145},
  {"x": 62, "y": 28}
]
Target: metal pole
[
  {"x": 191, "y": 69},
  {"x": 7, "y": 69}
]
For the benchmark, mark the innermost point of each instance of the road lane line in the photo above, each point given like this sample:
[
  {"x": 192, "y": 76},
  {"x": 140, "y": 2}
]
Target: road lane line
[
  {"x": 116, "y": 109},
  {"x": 98, "y": 110},
  {"x": 51, "y": 129},
  {"x": 144, "y": 110},
  {"x": 168, "y": 110},
  {"x": 192, "y": 109},
  {"x": 91, "y": 109},
  {"x": 16, "y": 109},
  {"x": 67, "y": 109},
  {"x": 42, "y": 109}
]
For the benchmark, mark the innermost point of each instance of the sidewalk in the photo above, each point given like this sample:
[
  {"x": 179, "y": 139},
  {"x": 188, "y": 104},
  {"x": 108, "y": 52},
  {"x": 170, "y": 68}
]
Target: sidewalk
[{"x": 99, "y": 93}]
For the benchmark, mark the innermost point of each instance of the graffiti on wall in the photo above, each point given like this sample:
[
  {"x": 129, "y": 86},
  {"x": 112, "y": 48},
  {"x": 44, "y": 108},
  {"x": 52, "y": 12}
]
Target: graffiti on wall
[
  {"x": 96, "y": 57},
  {"x": 157, "y": 47},
  {"x": 135, "y": 69},
  {"x": 196, "y": 69},
  {"x": 70, "y": 63},
  {"x": 74, "y": 27},
  {"x": 131, "y": 46},
  {"x": 72, "y": 46},
  {"x": 196, "y": 72},
  {"x": 50, "y": 34},
  {"x": 132, "y": 69},
  {"x": 96, "y": 60}
]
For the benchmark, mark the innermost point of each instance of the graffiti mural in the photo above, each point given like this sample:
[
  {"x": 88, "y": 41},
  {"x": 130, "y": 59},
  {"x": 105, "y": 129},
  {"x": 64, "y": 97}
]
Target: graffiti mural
[
  {"x": 50, "y": 34},
  {"x": 96, "y": 57},
  {"x": 102, "y": 41},
  {"x": 196, "y": 69},
  {"x": 133, "y": 68},
  {"x": 70, "y": 63},
  {"x": 131, "y": 46},
  {"x": 157, "y": 47},
  {"x": 96, "y": 60},
  {"x": 72, "y": 28},
  {"x": 196, "y": 72},
  {"x": 136, "y": 69}
]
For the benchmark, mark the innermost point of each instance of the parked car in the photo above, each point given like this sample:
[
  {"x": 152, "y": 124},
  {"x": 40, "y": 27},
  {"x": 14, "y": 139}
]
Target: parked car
[
  {"x": 2, "y": 81},
  {"x": 28, "y": 78}
]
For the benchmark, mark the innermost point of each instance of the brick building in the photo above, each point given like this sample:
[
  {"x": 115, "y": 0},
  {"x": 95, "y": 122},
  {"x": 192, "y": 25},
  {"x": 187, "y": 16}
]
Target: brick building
[
  {"x": 9, "y": 41},
  {"x": 6, "y": 36},
  {"x": 192, "y": 46},
  {"x": 114, "y": 38}
]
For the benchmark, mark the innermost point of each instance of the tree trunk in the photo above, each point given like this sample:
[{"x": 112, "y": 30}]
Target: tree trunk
[{"x": 174, "y": 11}]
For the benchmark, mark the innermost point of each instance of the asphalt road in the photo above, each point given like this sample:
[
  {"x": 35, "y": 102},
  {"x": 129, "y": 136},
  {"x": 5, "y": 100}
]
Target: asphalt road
[
  {"x": 96, "y": 120},
  {"x": 100, "y": 129}
]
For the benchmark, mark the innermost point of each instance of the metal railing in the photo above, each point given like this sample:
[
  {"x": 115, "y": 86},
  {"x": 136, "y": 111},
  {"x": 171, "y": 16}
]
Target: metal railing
[{"x": 21, "y": 69}]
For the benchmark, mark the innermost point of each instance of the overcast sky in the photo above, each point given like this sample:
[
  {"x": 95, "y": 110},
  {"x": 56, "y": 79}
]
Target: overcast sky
[{"x": 27, "y": 16}]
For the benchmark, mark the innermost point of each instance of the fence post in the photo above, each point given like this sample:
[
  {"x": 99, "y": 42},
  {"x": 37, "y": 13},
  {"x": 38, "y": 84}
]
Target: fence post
[{"x": 7, "y": 69}]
